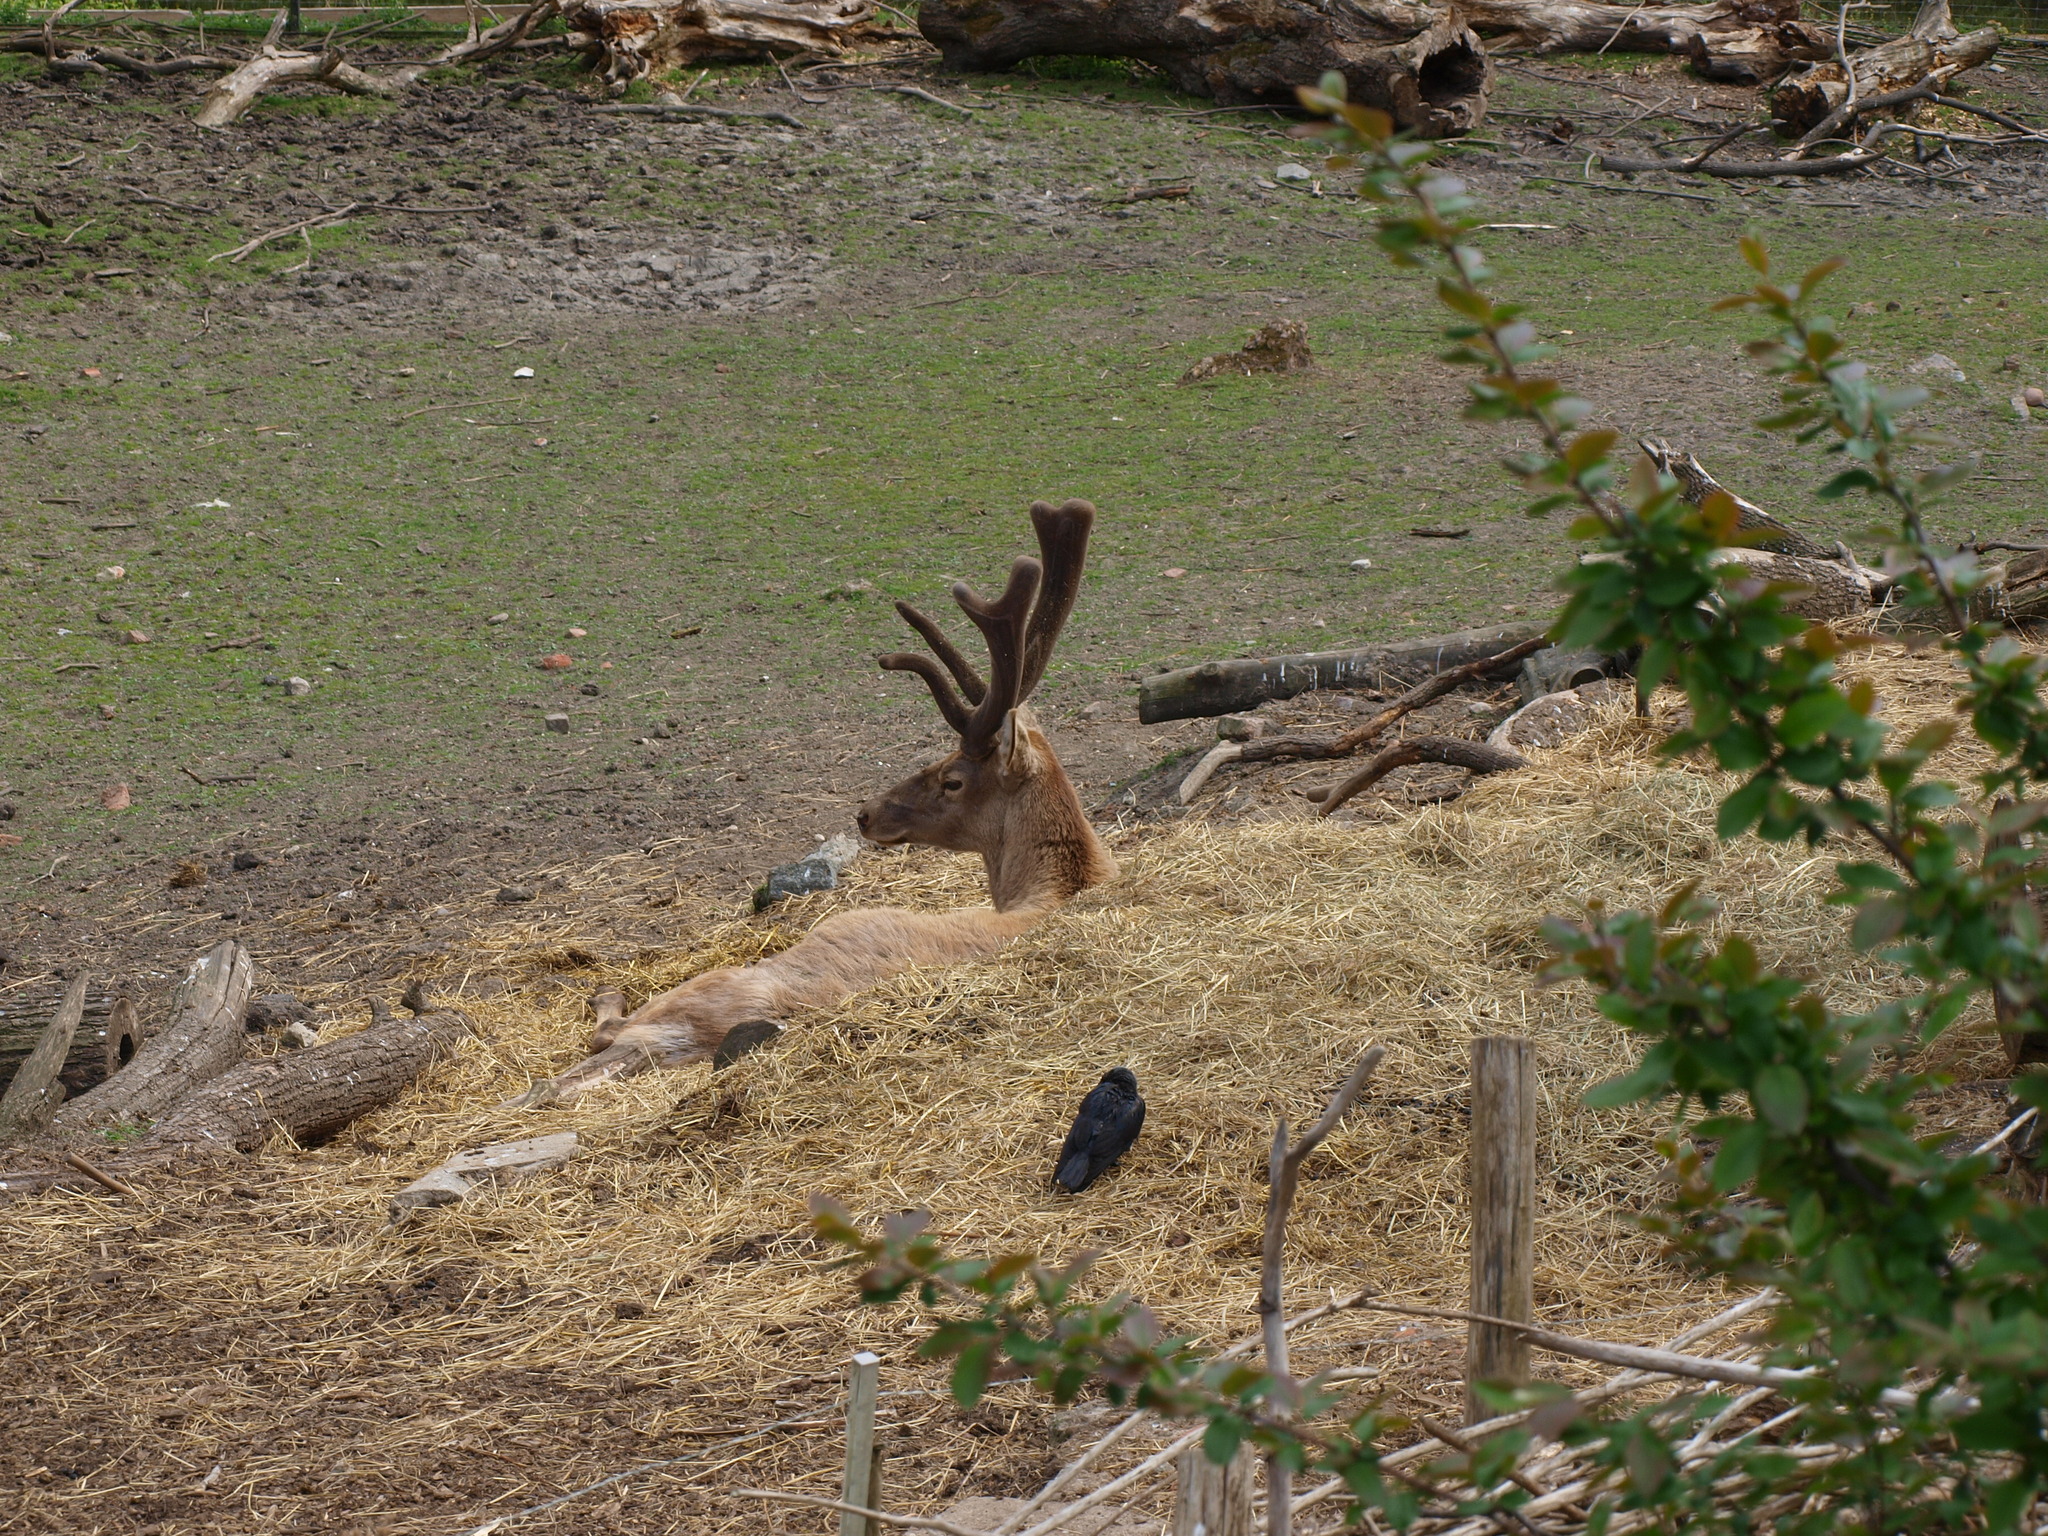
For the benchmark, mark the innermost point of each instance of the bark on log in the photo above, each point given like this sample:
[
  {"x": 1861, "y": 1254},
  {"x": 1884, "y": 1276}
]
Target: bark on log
[
  {"x": 1931, "y": 49},
  {"x": 1740, "y": 40},
  {"x": 309, "y": 1095},
  {"x": 1219, "y": 687},
  {"x": 1829, "y": 591},
  {"x": 201, "y": 1039},
  {"x": 26, "y": 1012},
  {"x": 34, "y": 1094},
  {"x": 635, "y": 38},
  {"x": 1420, "y": 63}
]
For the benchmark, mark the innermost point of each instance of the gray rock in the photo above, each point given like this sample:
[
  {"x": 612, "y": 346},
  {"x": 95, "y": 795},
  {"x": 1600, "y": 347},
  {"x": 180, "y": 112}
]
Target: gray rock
[
  {"x": 297, "y": 687},
  {"x": 511, "y": 895},
  {"x": 1547, "y": 721},
  {"x": 300, "y": 1036},
  {"x": 818, "y": 871},
  {"x": 558, "y": 724},
  {"x": 1935, "y": 362}
]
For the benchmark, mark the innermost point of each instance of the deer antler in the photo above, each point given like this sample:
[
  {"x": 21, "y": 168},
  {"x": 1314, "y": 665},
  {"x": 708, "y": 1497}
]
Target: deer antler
[{"x": 1020, "y": 633}]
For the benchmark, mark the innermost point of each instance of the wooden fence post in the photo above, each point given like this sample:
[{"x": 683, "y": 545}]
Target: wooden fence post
[
  {"x": 1213, "y": 1500},
  {"x": 1503, "y": 1162},
  {"x": 862, "y": 1484}
]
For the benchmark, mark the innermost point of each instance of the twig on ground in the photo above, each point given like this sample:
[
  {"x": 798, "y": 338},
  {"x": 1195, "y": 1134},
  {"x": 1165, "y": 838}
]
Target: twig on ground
[
  {"x": 98, "y": 1176},
  {"x": 249, "y": 248},
  {"x": 909, "y": 1522}
]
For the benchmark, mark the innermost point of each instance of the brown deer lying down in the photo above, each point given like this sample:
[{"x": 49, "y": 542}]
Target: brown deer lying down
[{"x": 1003, "y": 795}]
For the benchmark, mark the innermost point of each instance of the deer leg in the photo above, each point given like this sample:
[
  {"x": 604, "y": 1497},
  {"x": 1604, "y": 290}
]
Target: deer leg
[{"x": 609, "y": 1004}]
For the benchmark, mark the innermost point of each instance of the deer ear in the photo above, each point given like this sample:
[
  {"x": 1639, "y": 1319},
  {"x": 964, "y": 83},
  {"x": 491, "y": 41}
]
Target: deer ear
[{"x": 1015, "y": 757}]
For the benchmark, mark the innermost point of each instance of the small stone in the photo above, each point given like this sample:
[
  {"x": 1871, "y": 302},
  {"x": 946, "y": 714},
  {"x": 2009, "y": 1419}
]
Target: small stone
[
  {"x": 300, "y": 1036},
  {"x": 498, "y": 618},
  {"x": 2034, "y": 397},
  {"x": 522, "y": 373},
  {"x": 590, "y": 690},
  {"x": 1892, "y": 306},
  {"x": 115, "y": 797},
  {"x": 629, "y": 1309},
  {"x": 1096, "y": 710},
  {"x": 272, "y": 680},
  {"x": 1936, "y": 362},
  {"x": 1361, "y": 565},
  {"x": 1293, "y": 172},
  {"x": 111, "y": 573},
  {"x": 135, "y": 637},
  {"x": 558, "y": 724},
  {"x": 560, "y": 661},
  {"x": 512, "y": 895},
  {"x": 249, "y": 860},
  {"x": 1173, "y": 573},
  {"x": 297, "y": 687},
  {"x": 721, "y": 368},
  {"x": 1239, "y": 728},
  {"x": 577, "y": 634},
  {"x": 2010, "y": 365},
  {"x": 661, "y": 733},
  {"x": 106, "y": 711}
]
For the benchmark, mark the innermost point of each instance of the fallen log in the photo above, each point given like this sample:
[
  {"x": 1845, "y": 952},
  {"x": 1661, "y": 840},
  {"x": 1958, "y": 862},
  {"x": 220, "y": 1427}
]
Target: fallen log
[
  {"x": 309, "y": 1095},
  {"x": 1475, "y": 755},
  {"x": 1273, "y": 748},
  {"x": 631, "y": 39},
  {"x": 201, "y": 1039},
  {"x": 1817, "y": 100},
  {"x": 233, "y": 94},
  {"x": 1419, "y": 63},
  {"x": 1221, "y": 687},
  {"x": 34, "y": 1094},
  {"x": 1695, "y": 485},
  {"x": 1744, "y": 41}
]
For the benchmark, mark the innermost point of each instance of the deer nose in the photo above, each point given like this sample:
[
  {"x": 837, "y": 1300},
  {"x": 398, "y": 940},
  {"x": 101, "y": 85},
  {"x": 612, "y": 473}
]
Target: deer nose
[{"x": 861, "y": 820}]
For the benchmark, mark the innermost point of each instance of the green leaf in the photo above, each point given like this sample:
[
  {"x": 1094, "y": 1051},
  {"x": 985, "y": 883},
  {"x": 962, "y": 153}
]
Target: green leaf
[
  {"x": 1741, "y": 1154},
  {"x": 1220, "y": 1440},
  {"x": 1754, "y": 253},
  {"x": 1779, "y": 1093},
  {"x": 1652, "y": 1079},
  {"x": 970, "y": 1373}
]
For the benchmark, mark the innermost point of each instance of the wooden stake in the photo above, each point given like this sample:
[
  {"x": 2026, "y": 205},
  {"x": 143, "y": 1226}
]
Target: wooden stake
[
  {"x": 1503, "y": 1159},
  {"x": 1213, "y": 1500},
  {"x": 862, "y": 1485}
]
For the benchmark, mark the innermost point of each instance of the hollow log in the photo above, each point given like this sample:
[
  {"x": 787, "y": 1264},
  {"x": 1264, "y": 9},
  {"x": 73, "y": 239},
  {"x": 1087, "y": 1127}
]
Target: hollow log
[
  {"x": 24, "y": 1014},
  {"x": 309, "y": 1095},
  {"x": 201, "y": 1039},
  {"x": 635, "y": 38},
  {"x": 1420, "y": 63},
  {"x": 34, "y": 1094},
  {"x": 1219, "y": 687},
  {"x": 1931, "y": 49}
]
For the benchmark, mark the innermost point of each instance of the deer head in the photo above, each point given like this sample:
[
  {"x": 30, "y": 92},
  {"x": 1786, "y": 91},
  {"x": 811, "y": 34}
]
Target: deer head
[{"x": 1003, "y": 794}]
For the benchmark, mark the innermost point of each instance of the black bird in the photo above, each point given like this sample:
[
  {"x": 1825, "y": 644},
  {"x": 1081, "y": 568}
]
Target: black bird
[{"x": 1110, "y": 1119}]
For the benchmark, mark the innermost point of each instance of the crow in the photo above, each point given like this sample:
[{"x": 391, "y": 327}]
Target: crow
[{"x": 1110, "y": 1119}]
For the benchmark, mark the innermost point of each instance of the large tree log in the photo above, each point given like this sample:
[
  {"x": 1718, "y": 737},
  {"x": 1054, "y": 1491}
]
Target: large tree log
[
  {"x": 34, "y": 1094},
  {"x": 1218, "y": 687},
  {"x": 1742, "y": 40},
  {"x": 309, "y": 1095},
  {"x": 1931, "y": 50},
  {"x": 201, "y": 1039},
  {"x": 1420, "y": 63},
  {"x": 634, "y": 38}
]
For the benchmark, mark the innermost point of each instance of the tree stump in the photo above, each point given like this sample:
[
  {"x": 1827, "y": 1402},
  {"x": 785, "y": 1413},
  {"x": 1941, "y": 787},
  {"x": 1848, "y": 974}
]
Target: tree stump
[
  {"x": 1933, "y": 48},
  {"x": 634, "y": 38}
]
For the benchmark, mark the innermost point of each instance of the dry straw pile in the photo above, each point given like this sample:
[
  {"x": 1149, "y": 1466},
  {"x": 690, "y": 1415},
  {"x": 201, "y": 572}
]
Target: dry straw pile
[{"x": 476, "y": 1360}]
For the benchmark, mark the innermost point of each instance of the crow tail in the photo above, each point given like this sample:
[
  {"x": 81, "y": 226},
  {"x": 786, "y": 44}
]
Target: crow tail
[{"x": 1074, "y": 1174}]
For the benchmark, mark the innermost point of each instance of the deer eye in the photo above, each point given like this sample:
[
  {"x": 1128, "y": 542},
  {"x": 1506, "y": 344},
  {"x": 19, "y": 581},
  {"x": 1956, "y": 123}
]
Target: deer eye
[{"x": 954, "y": 786}]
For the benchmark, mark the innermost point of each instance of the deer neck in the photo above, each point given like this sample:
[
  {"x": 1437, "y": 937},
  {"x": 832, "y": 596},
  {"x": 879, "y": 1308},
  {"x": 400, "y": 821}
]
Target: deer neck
[{"x": 1048, "y": 850}]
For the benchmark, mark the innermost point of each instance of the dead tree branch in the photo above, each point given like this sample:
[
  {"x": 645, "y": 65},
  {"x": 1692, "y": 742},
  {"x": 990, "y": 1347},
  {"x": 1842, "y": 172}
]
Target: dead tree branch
[
  {"x": 1283, "y": 1177},
  {"x": 33, "y": 1096},
  {"x": 1454, "y": 750}
]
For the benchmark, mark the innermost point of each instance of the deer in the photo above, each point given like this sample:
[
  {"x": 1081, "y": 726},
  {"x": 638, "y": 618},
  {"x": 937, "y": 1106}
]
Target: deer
[{"x": 1002, "y": 794}]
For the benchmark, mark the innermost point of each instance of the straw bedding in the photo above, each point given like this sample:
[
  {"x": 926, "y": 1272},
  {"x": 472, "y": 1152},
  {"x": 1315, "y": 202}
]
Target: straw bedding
[{"x": 662, "y": 1293}]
